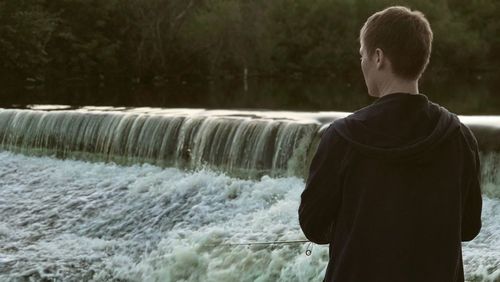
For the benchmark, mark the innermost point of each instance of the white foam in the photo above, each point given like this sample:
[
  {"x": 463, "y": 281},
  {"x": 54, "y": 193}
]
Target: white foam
[{"x": 73, "y": 220}]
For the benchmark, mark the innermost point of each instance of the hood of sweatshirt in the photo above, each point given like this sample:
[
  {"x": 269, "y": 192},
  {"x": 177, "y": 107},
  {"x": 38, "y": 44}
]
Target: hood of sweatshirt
[{"x": 398, "y": 125}]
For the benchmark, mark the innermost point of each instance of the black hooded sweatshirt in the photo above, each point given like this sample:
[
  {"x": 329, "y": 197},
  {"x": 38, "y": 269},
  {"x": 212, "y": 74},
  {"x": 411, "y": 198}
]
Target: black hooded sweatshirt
[{"x": 394, "y": 188}]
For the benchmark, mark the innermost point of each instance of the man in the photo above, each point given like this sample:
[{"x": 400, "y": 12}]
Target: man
[{"x": 394, "y": 188}]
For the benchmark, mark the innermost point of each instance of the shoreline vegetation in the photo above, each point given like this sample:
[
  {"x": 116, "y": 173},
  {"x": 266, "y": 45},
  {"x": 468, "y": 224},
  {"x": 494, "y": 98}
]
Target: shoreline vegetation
[{"x": 153, "y": 42}]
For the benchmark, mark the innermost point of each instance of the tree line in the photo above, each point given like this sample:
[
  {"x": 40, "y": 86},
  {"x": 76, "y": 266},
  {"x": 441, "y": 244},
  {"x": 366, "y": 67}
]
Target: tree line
[{"x": 148, "y": 40}]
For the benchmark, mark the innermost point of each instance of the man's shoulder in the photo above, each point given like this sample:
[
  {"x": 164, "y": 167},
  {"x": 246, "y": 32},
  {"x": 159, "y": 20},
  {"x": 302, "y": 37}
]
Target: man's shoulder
[
  {"x": 469, "y": 137},
  {"x": 332, "y": 135},
  {"x": 360, "y": 115},
  {"x": 330, "y": 132}
]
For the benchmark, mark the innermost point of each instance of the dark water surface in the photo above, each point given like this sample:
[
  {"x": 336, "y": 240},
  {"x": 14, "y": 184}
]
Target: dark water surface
[{"x": 474, "y": 96}]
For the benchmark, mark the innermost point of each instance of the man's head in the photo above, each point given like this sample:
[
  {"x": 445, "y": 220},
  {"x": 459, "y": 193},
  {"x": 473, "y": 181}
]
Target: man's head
[{"x": 395, "y": 45}]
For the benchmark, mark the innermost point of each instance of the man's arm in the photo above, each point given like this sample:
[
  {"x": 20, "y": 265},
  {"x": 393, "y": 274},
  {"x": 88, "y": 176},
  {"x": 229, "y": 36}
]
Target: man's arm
[
  {"x": 321, "y": 197},
  {"x": 471, "y": 214}
]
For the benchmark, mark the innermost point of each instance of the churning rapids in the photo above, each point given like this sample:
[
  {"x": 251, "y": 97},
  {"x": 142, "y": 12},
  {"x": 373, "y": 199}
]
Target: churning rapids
[{"x": 110, "y": 194}]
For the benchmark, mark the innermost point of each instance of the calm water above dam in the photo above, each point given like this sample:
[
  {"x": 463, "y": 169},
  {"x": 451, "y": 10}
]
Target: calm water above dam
[{"x": 469, "y": 96}]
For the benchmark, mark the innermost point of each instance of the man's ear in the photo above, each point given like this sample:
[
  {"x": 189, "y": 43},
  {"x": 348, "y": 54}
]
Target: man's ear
[{"x": 379, "y": 58}]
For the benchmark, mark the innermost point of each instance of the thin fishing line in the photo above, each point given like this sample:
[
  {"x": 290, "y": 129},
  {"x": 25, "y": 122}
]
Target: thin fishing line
[
  {"x": 260, "y": 243},
  {"x": 308, "y": 248}
]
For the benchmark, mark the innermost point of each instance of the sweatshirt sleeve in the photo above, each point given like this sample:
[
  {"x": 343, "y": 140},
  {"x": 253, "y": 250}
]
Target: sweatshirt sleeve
[
  {"x": 321, "y": 197},
  {"x": 471, "y": 214}
]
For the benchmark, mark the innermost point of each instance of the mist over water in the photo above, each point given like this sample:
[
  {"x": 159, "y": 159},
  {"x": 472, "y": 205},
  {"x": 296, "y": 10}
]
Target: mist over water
[{"x": 72, "y": 220}]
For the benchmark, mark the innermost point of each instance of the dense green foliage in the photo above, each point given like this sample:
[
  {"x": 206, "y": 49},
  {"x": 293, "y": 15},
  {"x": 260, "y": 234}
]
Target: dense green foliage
[{"x": 146, "y": 40}]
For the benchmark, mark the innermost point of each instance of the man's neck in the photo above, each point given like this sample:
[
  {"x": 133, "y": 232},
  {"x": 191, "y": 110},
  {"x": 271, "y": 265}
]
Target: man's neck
[{"x": 396, "y": 85}]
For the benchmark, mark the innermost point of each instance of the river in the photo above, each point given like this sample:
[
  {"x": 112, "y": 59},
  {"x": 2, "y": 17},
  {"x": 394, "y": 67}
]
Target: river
[{"x": 149, "y": 194}]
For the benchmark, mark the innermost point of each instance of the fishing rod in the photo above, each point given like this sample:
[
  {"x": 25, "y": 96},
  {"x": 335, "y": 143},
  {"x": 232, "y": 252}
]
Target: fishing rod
[{"x": 308, "y": 249}]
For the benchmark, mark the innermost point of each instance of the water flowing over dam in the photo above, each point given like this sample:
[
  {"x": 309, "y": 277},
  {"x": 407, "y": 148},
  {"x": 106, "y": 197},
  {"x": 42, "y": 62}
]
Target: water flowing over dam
[
  {"x": 241, "y": 143},
  {"x": 149, "y": 194}
]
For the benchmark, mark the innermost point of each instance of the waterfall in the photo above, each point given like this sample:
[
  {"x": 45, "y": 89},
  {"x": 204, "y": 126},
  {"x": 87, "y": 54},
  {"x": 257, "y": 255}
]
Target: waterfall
[
  {"x": 246, "y": 144},
  {"x": 240, "y": 143}
]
